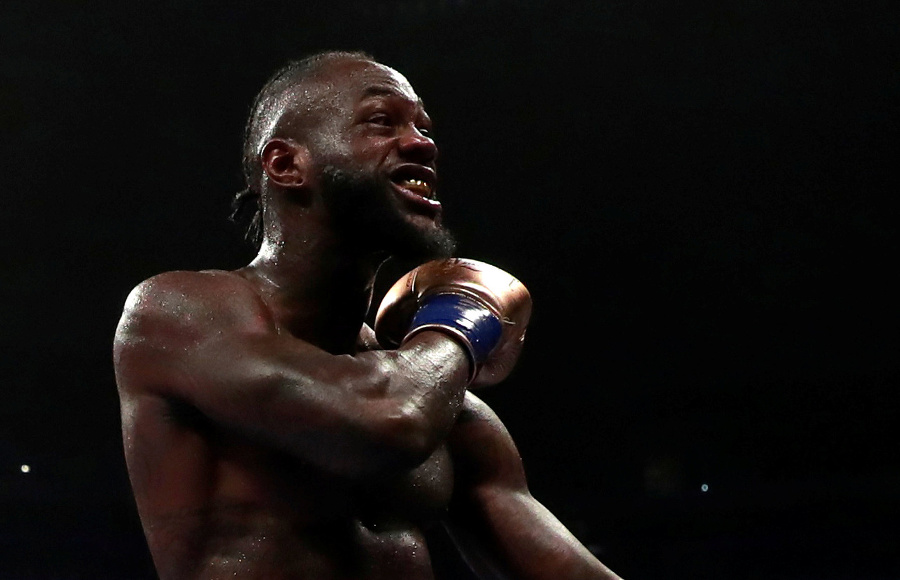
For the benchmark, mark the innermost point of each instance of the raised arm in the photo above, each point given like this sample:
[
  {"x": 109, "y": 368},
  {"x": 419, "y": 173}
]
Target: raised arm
[
  {"x": 502, "y": 531},
  {"x": 208, "y": 340}
]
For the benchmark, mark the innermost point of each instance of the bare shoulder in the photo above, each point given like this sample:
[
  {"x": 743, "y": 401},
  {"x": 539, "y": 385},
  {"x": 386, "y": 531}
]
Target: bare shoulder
[
  {"x": 184, "y": 297},
  {"x": 175, "y": 290},
  {"x": 171, "y": 314},
  {"x": 482, "y": 448},
  {"x": 474, "y": 409}
]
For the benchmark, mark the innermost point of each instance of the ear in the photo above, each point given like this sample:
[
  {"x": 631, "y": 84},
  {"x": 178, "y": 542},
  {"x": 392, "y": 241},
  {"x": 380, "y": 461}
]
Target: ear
[{"x": 285, "y": 162}]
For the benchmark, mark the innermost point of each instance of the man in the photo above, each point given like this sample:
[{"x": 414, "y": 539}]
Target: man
[{"x": 267, "y": 433}]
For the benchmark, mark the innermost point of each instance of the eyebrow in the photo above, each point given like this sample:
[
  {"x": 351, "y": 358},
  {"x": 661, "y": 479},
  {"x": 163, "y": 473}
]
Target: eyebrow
[
  {"x": 380, "y": 91},
  {"x": 386, "y": 91}
]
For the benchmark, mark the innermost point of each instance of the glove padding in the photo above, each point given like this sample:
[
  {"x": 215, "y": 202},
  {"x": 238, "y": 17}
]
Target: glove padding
[{"x": 484, "y": 308}]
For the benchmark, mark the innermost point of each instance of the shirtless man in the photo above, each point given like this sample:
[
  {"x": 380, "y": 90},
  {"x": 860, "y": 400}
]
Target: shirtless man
[{"x": 267, "y": 434}]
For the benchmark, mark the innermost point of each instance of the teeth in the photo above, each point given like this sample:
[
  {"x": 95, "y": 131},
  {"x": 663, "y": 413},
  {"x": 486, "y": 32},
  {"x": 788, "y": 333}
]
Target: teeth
[{"x": 417, "y": 184}]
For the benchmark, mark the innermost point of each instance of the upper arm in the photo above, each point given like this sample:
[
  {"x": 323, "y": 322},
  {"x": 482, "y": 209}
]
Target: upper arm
[
  {"x": 500, "y": 528},
  {"x": 207, "y": 339}
]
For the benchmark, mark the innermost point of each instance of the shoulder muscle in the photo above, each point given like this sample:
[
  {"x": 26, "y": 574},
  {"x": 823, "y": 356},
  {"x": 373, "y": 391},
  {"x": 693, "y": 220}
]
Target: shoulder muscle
[
  {"x": 483, "y": 450},
  {"x": 173, "y": 312}
]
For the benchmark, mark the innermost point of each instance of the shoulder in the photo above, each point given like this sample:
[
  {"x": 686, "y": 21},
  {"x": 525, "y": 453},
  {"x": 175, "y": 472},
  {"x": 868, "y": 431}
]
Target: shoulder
[
  {"x": 476, "y": 410},
  {"x": 477, "y": 421},
  {"x": 482, "y": 448},
  {"x": 174, "y": 289},
  {"x": 186, "y": 299},
  {"x": 174, "y": 321}
]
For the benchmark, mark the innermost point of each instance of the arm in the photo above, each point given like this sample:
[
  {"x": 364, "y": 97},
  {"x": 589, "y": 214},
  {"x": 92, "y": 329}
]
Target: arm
[
  {"x": 207, "y": 339},
  {"x": 502, "y": 531}
]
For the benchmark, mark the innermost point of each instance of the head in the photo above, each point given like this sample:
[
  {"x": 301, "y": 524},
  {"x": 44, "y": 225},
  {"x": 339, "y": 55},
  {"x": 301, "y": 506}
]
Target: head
[{"x": 341, "y": 129}]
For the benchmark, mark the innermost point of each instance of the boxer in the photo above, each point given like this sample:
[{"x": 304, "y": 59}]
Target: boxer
[{"x": 269, "y": 432}]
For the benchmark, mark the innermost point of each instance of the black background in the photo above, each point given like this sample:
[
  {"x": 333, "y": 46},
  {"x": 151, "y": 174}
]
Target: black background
[{"x": 700, "y": 196}]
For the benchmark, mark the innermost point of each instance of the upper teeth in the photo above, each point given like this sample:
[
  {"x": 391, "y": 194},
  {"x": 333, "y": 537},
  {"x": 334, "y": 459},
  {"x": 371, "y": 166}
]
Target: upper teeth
[{"x": 418, "y": 183}]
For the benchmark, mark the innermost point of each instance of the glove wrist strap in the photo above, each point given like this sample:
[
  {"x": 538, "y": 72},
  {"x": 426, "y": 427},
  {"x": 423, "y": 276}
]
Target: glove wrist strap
[{"x": 462, "y": 317}]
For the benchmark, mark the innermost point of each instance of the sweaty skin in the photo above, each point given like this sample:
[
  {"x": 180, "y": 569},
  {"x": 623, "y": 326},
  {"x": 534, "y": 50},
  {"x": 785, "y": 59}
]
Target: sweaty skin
[
  {"x": 219, "y": 497},
  {"x": 267, "y": 435}
]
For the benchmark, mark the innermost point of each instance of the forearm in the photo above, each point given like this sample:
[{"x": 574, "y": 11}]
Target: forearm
[
  {"x": 350, "y": 414},
  {"x": 427, "y": 379}
]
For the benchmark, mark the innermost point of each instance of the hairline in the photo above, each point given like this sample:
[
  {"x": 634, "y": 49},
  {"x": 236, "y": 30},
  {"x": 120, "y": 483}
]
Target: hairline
[{"x": 273, "y": 100}]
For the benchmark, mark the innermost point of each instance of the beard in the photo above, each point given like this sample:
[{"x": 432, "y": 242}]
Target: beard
[{"x": 367, "y": 215}]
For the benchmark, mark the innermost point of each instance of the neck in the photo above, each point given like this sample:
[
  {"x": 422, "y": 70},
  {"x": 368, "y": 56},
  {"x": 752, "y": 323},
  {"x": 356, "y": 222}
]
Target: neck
[{"x": 319, "y": 289}]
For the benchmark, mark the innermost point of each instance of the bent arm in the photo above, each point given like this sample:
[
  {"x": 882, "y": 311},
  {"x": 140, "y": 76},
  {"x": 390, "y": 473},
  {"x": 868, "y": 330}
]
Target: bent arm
[
  {"x": 207, "y": 339},
  {"x": 500, "y": 528}
]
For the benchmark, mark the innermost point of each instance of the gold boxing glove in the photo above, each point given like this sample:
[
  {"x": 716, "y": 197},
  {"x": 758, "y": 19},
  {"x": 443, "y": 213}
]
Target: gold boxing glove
[{"x": 479, "y": 305}]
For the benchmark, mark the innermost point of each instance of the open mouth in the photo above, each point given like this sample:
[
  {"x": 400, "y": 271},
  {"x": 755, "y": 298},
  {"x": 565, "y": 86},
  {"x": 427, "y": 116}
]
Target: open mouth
[
  {"x": 417, "y": 186},
  {"x": 417, "y": 180}
]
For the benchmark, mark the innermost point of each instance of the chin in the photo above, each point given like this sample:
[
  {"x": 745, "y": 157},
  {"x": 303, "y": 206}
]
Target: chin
[{"x": 422, "y": 242}]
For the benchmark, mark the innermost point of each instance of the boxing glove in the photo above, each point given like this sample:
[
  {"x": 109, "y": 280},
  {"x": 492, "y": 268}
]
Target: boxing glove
[{"x": 479, "y": 305}]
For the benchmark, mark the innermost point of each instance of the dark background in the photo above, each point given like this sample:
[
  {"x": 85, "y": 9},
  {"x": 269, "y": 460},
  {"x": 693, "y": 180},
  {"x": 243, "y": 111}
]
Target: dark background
[{"x": 700, "y": 196}]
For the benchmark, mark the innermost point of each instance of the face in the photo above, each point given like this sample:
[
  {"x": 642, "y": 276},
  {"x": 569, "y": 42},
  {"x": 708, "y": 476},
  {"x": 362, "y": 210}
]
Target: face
[{"x": 374, "y": 158}]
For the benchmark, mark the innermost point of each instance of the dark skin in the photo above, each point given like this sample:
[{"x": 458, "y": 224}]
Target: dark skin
[{"x": 267, "y": 434}]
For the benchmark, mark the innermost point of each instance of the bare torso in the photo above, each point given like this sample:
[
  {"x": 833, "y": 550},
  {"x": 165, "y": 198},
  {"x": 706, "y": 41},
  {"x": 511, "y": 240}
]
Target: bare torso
[
  {"x": 219, "y": 504},
  {"x": 256, "y": 451},
  {"x": 216, "y": 505}
]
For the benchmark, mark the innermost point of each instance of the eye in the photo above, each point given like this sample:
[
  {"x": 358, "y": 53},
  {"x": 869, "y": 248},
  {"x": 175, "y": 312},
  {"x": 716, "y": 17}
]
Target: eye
[{"x": 381, "y": 119}]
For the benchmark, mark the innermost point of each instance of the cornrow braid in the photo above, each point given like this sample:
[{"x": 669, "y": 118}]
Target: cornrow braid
[{"x": 246, "y": 211}]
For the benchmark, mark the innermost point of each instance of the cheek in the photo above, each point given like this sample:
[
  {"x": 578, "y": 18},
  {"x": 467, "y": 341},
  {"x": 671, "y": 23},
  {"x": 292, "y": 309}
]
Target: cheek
[
  {"x": 329, "y": 140},
  {"x": 330, "y": 147},
  {"x": 369, "y": 152},
  {"x": 373, "y": 151}
]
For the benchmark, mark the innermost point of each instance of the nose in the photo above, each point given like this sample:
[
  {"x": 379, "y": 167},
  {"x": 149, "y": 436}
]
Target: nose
[{"x": 415, "y": 146}]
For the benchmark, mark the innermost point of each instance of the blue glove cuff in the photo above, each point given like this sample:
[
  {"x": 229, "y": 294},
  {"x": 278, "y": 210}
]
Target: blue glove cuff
[{"x": 463, "y": 317}]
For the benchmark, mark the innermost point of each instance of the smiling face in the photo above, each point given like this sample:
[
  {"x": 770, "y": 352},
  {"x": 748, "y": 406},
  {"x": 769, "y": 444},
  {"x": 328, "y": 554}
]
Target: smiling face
[{"x": 373, "y": 159}]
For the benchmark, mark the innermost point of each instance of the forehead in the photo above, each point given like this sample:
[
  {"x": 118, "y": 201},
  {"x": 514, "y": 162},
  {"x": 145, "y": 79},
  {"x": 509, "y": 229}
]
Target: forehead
[{"x": 355, "y": 81}]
